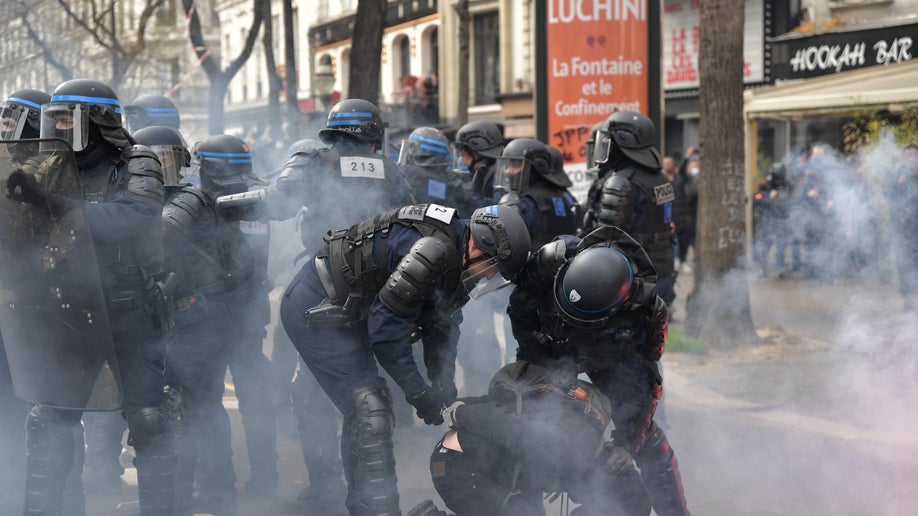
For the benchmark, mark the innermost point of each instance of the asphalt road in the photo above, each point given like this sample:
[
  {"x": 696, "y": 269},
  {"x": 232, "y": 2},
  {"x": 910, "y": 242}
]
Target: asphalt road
[{"x": 816, "y": 419}]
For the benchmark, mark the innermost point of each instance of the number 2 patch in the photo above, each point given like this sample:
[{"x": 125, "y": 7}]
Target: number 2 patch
[
  {"x": 441, "y": 213},
  {"x": 359, "y": 166}
]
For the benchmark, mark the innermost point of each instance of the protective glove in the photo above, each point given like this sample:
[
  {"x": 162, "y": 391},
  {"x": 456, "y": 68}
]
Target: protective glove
[
  {"x": 24, "y": 187},
  {"x": 428, "y": 406},
  {"x": 449, "y": 413}
]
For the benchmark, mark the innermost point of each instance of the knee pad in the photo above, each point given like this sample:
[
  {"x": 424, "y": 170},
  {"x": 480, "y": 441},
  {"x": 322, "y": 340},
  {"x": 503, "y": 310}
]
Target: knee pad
[
  {"x": 146, "y": 424},
  {"x": 372, "y": 406}
]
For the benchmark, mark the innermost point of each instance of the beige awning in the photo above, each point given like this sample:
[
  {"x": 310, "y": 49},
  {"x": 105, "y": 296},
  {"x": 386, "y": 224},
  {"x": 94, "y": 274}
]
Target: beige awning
[{"x": 892, "y": 87}]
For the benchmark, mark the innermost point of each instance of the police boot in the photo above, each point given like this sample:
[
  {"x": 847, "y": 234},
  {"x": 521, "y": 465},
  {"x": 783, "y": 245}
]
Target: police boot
[
  {"x": 50, "y": 458},
  {"x": 660, "y": 473},
  {"x": 374, "y": 479},
  {"x": 155, "y": 460}
]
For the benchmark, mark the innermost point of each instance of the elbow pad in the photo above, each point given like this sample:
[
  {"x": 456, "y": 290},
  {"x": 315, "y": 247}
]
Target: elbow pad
[
  {"x": 613, "y": 202},
  {"x": 656, "y": 330},
  {"x": 184, "y": 209},
  {"x": 416, "y": 275}
]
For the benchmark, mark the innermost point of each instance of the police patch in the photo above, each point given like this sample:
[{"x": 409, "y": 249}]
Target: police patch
[{"x": 664, "y": 193}]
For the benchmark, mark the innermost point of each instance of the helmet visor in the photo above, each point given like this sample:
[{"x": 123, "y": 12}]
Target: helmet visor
[
  {"x": 66, "y": 122},
  {"x": 512, "y": 174},
  {"x": 172, "y": 159},
  {"x": 483, "y": 268},
  {"x": 14, "y": 118},
  {"x": 602, "y": 148}
]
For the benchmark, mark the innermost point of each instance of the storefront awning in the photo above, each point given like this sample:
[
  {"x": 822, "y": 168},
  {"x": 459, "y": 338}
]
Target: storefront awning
[{"x": 892, "y": 87}]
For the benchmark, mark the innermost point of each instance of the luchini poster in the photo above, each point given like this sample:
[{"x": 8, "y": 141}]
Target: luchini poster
[{"x": 597, "y": 62}]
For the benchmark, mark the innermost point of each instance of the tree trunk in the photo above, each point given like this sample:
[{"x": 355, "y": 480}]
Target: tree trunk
[
  {"x": 463, "y": 18},
  {"x": 274, "y": 80},
  {"x": 366, "y": 50},
  {"x": 219, "y": 79},
  {"x": 292, "y": 84},
  {"x": 718, "y": 310}
]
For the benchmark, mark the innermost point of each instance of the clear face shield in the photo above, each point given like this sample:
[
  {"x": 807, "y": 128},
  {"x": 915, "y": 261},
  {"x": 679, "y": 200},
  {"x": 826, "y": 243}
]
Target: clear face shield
[
  {"x": 172, "y": 159},
  {"x": 512, "y": 174},
  {"x": 461, "y": 158},
  {"x": 482, "y": 277},
  {"x": 426, "y": 152},
  {"x": 68, "y": 122},
  {"x": 14, "y": 118},
  {"x": 135, "y": 118},
  {"x": 602, "y": 148}
]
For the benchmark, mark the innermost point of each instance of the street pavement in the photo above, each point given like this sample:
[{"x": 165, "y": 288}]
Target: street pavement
[{"x": 817, "y": 418}]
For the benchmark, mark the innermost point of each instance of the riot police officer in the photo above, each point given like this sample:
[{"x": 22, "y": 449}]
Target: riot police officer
[
  {"x": 20, "y": 114},
  {"x": 592, "y": 302},
  {"x": 636, "y": 196},
  {"x": 528, "y": 179},
  {"x": 347, "y": 180},
  {"x": 121, "y": 197},
  {"x": 502, "y": 452},
  {"x": 478, "y": 145},
  {"x": 369, "y": 290},
  {"x": 426, "y": 159},
  {"x": 224, "y": 165},
  {"x": 203, "y": 253}
]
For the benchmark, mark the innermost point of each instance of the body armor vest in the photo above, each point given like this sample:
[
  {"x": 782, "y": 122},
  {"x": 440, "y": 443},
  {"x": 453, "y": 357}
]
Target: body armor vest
[
  {"x": 340, "y": 185},
  {"x": 128, "y": 265},
  {"x": 556, "y": 212},
  {"x": 654, "y": 233},
  {"x": 198, "y": 244},
  {"x": 353, "y": 265}
]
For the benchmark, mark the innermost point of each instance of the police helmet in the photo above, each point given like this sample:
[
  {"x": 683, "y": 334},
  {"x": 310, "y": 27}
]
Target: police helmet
[
  {"x": 592, "y": 286},
  {"x": 150, "y": 110},
  {"x": 557, "y": 175},
  {"x": 500, "y": 233},
  {"x": 224, "y": 164},
  {"x": 82, "y": 112},
  {"x": 20, "y": 114},
  {"x": 425, "y": 147},
  {"x": 522, "y": 160},
  {"x": 169, "y": 147},
  {"x": 482, "y": 137},
  {"x": 632, "y": 134},
  {"x": 353, "y": 118}
]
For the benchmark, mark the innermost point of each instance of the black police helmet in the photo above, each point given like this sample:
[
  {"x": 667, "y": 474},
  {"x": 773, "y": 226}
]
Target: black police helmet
[
  {"x": 632, "y": 133},
  {"x": 557, "y": 175},
  {"x": 95, "y": 113},
  {"x": 21, "y": 114},
  {"x": 150, "y": 110},
  {"x": 353, "y": 118},
  {"x": 499, "y": 231},
  {"x": 425, "y": 147},
  {"x": 592, "y": 286},
  {"x": 103, "y": 105},
  {"x": 224, "y": 164},
  {"x": 482, "y": 137}
]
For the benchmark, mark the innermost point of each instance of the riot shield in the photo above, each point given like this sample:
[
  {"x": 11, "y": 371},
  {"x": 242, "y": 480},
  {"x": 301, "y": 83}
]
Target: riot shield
[{"x": 53, "y": 315}]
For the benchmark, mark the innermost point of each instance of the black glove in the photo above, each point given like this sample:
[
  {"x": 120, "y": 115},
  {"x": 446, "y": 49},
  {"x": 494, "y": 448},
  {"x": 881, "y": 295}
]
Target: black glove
[
  {"x": 23, "y": 187},
  {"x": 428, "y": 405}
]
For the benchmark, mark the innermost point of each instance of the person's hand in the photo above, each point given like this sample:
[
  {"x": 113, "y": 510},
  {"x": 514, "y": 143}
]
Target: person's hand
[
  {"x": 428, "y": 406},
  {"x": 23, "y": 187},
  {"x": 449, "y": 413}
]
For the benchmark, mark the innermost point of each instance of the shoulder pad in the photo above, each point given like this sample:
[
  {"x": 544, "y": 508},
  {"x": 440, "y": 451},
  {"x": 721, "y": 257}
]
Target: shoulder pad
[
  {"x": 136, "y": 151},
  {"x": 185, "y": 208},
  {"x": 142, "y": 161},
  {"x": 416, "y": 275},
  {"x": 544, "y": 263}
]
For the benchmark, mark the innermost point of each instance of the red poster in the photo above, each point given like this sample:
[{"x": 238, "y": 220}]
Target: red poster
[{"x": 597, "y": 62}]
